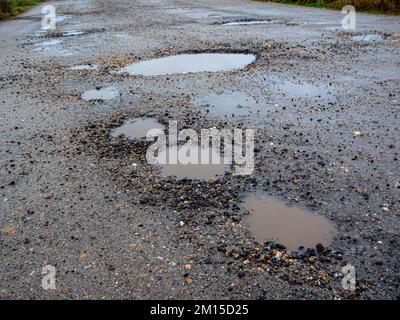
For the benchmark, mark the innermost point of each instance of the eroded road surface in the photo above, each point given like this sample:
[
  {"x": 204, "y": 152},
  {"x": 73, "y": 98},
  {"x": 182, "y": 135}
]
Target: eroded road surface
[{"x": 79, "y": 198}]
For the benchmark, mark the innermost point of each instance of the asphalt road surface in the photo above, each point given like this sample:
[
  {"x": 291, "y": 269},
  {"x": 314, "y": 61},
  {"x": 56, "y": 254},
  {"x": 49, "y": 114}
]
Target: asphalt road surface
[{"x": 87, "y": 203}]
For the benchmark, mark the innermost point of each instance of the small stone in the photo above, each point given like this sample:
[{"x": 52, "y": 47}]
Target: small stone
[
  {"x": 237, "y": 218},
  {"x": 188, "y": 280},
  {"x": 82, "y": 257},
  {"x": 320, "y": 248},
  {"x": 8, "y": 230},
  {"x": 120, "y": 206}
]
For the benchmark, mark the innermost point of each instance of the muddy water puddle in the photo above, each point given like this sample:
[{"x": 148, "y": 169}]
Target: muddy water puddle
[
  {"x": 197, "y": 171},
  {"x": 272, "y": 219},
  {"x": 106, "y": 93},
  {"x": 188, "y": 63},
  {"x": 136, "y": 128},
  {"x": 231, "y": 104}
]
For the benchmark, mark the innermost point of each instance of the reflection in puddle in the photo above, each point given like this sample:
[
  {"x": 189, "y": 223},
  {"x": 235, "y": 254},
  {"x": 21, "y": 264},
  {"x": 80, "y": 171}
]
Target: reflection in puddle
[
  {"x": 136, "y": 128},
  {"x": 247, "y": 23},
  {"x": 231, "y": 104},
  {"x": 52, "y": 47},
  {"x": 84, "y": 67},
  {"x": 107, "y": 93},
  {"x": 185, "y": 63},
  {"x": 53, "y": 42},
  {"x": 270, "y": 219},
  {"x": 61, "y": 17},
  {"x": 368, "y": 37},
  {"x": 72, "y": 33},
  {"x": 304, "y": 90},
  {"x": 207, "y": 172}
]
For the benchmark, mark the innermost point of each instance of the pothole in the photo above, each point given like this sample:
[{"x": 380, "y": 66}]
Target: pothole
[
  {"x": 231, "y": 105},
  {"x": 72, "y": 33},
  {"x": 136, "y": 128},
  {"x": 271, "y": 219},
  {"x": 247, "y": 23},
  {"x": 198, "y": 171},
  {"x": 187, "y": 63},
  {"x": 84, "y": 67},
  {"x": 106, "y": 93},
  {"x": 368, "y": 38},
  {"x": 299, "y": 89},
  {"x": 52, "y": 48},
  {"x": 50, "y": 43}
]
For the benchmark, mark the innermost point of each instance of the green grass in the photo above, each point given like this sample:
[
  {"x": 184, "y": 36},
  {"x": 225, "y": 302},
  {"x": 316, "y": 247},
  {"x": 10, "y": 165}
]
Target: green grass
[
  {"x": 9, "y": 8},
  {"x": 370, "y": 6}
]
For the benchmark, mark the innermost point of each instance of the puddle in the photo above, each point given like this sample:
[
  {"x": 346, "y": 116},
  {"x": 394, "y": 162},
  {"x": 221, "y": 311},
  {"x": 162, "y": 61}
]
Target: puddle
[
  {"x": 304, "y": 90},
  {"x": 136, "y": 128},
  {"x": 368, "y": 37},
  {"x": 52, "y": 48},
  {"x": 231, "y": 104},
  {"x": 247, "y": 23},
  {"x": 271, "y": 219},
  {"x": 61, "y": 17},
  {"x": 185, "y": 63},
  {"x": 206, "y": 172},
  {"x": 49, "y": 43},
  {"x": 84, "y": 67},
  {"x": 107, "y": 93},
  {"x": 72, "y": 33}
]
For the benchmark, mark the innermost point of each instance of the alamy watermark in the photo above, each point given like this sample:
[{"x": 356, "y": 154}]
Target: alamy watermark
[
  {"x": 49, "y": 19},
  {"x": 349, "y": 279},
  {"x": 185, "y": 147},
  {"x": 49, "y": 280},
  {"x": 349, "y": 21}
]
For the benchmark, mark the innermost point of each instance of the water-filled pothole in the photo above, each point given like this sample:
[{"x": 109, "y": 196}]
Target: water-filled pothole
[
  {"x": 271, "y": 219},
  {"x": 52, "y": 47},
  {"x": 368, "y": 37},
  {"x": 247, "y": 23},
  {"x": 305, "y": 90},
  {"x": 231, "y": 104},
  {"x": 72, "y": 33},
  {"x": 106, "y": 93},
  {"x": 136, "y": 128},
  {"x": 198, "y": 171},
  {"x": 186, "y": 63},
  {"x": 53, "y": 42},
  {"x": 84, "y": 67}
]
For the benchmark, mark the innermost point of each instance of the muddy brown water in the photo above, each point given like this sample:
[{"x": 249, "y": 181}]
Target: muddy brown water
[
  {"x": 136, "y": 128},
  {"x": 272, "y": 219},
  {"x": 199, "y": 171},
  {"x": 188, "y": 63}
]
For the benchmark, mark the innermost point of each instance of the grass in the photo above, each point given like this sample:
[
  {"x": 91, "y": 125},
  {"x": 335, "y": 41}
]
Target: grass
[
  {"x": 371, "y": 6},
  {"x": 9, "y": 8}
]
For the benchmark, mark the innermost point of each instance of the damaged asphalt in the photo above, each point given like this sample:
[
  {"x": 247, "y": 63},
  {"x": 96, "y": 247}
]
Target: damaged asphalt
[{"x": 77, "y": 198}]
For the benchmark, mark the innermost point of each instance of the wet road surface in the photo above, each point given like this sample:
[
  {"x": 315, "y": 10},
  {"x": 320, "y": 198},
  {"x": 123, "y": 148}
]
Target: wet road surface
[{"x": 86, "y": 202}]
